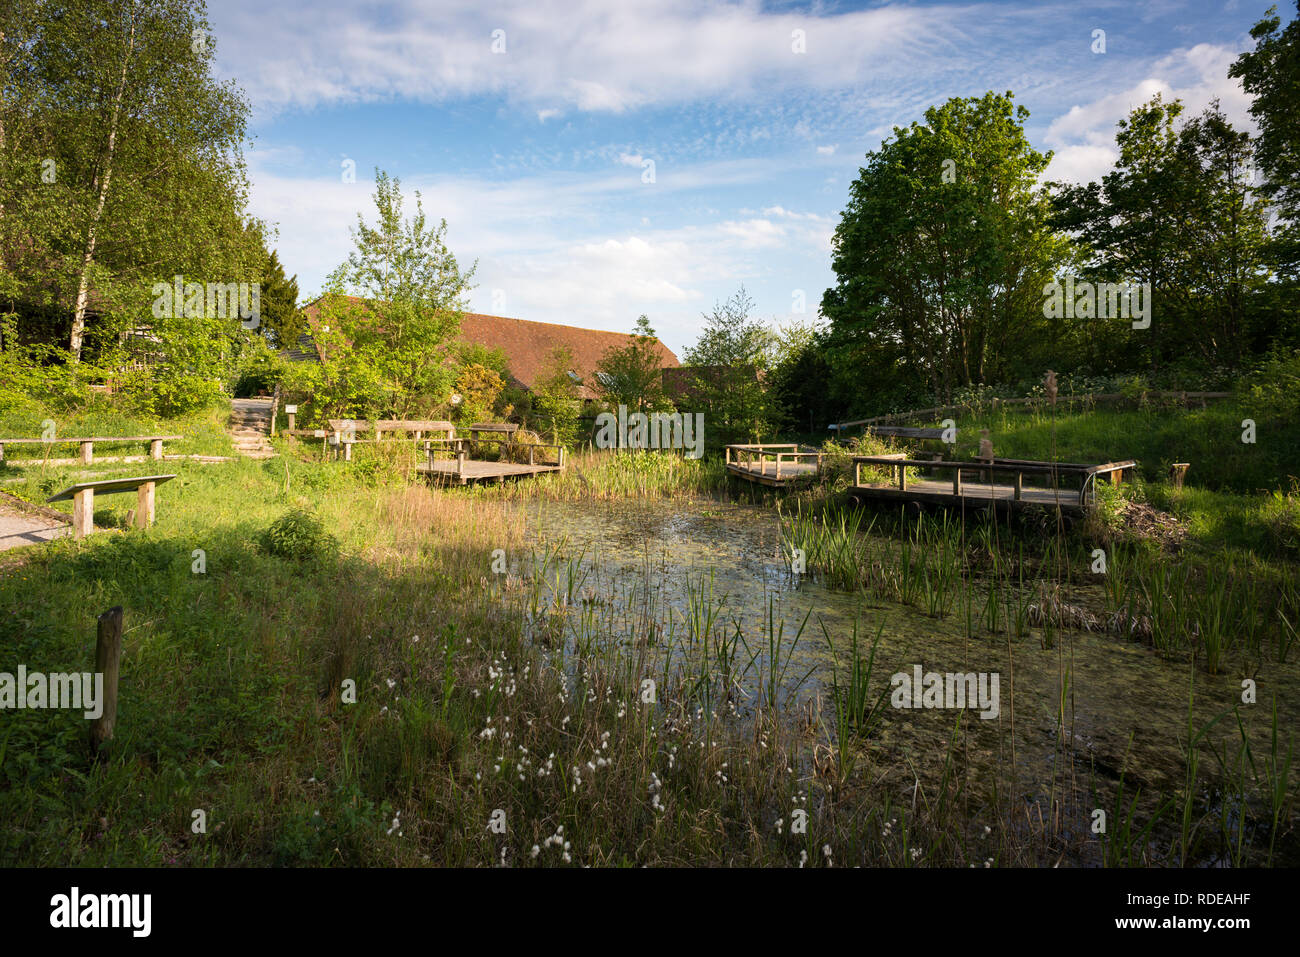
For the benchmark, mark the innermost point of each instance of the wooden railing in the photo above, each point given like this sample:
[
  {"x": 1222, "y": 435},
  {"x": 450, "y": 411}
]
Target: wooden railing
[
  {"x": 747, "y": 455},
  {"x": 989, "y": 467},
  {"x": 459, "y": 448}
]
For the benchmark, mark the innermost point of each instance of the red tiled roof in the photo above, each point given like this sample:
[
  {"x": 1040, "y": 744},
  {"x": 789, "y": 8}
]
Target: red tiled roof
[{"x": 527, "y": 345}]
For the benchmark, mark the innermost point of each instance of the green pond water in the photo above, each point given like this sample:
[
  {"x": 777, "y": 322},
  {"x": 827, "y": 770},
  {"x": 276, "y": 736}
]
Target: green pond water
[{"x": 632, "y": 567}]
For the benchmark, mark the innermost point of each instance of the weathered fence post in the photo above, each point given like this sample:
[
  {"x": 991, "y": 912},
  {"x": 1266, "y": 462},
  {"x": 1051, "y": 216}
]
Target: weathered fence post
[{"x": 108, "y": 657}]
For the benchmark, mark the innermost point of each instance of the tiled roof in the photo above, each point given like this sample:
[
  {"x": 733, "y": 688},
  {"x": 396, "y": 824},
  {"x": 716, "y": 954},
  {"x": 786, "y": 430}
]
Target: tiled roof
[{"x": 527, "y": 345}]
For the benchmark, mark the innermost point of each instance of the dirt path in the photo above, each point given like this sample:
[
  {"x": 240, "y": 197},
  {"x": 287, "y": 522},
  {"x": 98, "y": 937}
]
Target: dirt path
[{"x": 19, "y": 526}]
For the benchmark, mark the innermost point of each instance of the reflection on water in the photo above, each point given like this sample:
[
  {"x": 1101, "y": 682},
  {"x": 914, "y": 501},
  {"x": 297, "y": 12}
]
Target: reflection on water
[{"x": 1090, "y": 708}]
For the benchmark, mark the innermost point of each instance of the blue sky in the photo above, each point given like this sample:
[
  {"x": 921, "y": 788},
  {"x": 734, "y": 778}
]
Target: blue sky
[{"x": 536, "y": 155}]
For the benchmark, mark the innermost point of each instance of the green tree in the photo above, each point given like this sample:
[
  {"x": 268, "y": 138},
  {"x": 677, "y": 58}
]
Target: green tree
[
  {"x": 391, "y": 345},
  {"x": 1271, "y": 74},
  {"x": 146, "y": 152},
  {"x": 632, "y": 375},
  {"x": 556, "y": 398},
  {"x": 282, "y": 322},
  {"x": 1178, "y": 211},
  {"x": 799, "y": 377},
  {"x": 728, "y": 363},
  {"x": 942, "y": 253}
]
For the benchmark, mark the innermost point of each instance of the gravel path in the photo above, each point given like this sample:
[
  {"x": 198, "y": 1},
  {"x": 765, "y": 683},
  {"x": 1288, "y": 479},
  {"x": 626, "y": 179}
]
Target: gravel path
[{"x": 21, "y": 528}]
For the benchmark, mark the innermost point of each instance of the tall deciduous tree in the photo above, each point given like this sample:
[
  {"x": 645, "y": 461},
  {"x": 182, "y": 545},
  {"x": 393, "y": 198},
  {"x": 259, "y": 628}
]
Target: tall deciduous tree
[
  {"x": 411, "y": 289},
  {"x": 1271, "y": 73},
  {"x": 632, "y": 375},
  {"x": 149, "y": 144},
  {"x": 944, "y": 248},
  {"x": 728, "y": 362},
  {"x": 1177, "y": 211}
]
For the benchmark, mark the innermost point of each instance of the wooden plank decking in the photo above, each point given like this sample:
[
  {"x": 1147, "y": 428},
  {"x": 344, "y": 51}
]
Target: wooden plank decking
[
  {"x": 473, "y": 470},
  {"x": 460, "y": 469},
  {"x": 986, "y": 490},
  {"x": 773, "y": 465}
]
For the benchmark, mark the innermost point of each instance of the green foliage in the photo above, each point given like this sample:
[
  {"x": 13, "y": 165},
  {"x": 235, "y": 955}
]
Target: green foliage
[
  {"x": 479, "y": 388},
  {"x": 633, "y": 374},
  {"x": 1270, "y": 73},
  {"x": 282, "y": 322},
  {"x": 942, "y": 253},
  {"x": 145, "y": 178},
  {"x": 1281, "y": 515},
  {"x": 300, "y": 536},
  {"x": 1178, "y": 212},
  {"x": 727, "y": 364},
  {"x": 556, "y": 405},
  {"x": 389, "y": 313},
  {"x": 257, "y": 369}
]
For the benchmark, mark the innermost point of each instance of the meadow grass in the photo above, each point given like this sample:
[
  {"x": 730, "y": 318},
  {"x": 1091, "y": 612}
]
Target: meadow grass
[{"x": 517, "y": 693}]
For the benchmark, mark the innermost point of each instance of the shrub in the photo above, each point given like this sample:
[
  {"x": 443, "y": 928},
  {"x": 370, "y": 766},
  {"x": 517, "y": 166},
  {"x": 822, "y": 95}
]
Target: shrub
[
  {"x": 298, "y": 535},
  {"x": 1281, "y": 514}
]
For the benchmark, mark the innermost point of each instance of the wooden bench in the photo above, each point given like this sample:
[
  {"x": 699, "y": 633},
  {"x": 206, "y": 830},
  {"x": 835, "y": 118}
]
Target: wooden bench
[
  {"x": 88, "y": 444},
  {"x": 83, "y": 500}
]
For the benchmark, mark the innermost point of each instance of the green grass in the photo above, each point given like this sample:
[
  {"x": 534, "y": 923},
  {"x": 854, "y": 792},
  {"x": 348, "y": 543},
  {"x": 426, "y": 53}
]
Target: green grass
[
  {"x": 477, "y": 692},
  {"x": 1156, "y": 436}
]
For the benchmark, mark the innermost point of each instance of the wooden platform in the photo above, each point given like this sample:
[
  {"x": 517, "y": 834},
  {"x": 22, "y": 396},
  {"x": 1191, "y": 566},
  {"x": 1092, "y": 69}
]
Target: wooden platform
[
  {"x": 473, "y": 470},
  {"x": 765, "y": 473},
  {"x": 1069, "y": 486},
  {"x": 460, "y": 469},
  {"x": 773, "y": 465}
]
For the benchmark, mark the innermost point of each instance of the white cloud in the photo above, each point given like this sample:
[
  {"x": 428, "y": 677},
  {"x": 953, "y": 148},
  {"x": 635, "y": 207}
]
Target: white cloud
[
  {"x": 544, "y": 115},
  {"x": 826, "y": 150},
  {"x": 588, "y": 54},
  {"x": 1084, "y": 137}
]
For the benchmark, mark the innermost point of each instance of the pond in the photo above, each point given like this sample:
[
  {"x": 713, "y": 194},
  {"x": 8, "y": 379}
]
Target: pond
[{"x": 1072, "y": 715}]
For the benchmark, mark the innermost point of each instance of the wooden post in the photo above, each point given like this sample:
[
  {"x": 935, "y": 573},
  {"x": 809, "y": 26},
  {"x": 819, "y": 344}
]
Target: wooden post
[
  {"x": 155, "y": 449},
  {"x": 460, "y": 460},
  {"x": 108, "y": 658},
  {"x": 1116, "y": 476},
  {"x": 532, "y": 452},
  {"x": 293, "y": 424},
  {"x": 902, "y": 478},
  {"x": 83, "y": 513},
  {"x": 1019, "y": 485},
  {"x": 144, "y": 505},
  {"x": 87, "y": 451},
  {"x": 347, "y": 451},
  {"x": 956, "y": 481},
  {"x": 778, "y": 465}
]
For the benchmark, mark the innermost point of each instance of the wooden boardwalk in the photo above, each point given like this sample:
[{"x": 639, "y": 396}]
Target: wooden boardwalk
[
  {"x": 475, "y": 470},
  {"x": 460, "y": 469},
  {"x": 776, "y": 466},
  {"x": 985, "y": 490}
]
